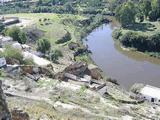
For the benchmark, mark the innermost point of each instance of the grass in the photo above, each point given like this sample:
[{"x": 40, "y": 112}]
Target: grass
[
  {"x": 51, "y": 24},
  {"x": 146, "y": 28}
]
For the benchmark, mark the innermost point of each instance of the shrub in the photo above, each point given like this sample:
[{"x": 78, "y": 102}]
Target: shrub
[
  {"x": 14, "y": 53},
  {"x": 153, "y": 15},
  {"x": 28, "y": 61},
  {"x": 116, "y": 34},
  {"x": 43, "y": 45},
  {"x": 141, "y": 42},
  {"x": 64, "y": 39},
  {"x": 16, "y": 34},
  {"x": 55, "y": 54}
]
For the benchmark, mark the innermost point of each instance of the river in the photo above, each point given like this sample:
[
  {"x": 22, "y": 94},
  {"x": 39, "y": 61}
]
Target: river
[{"x": 127, "y": 67}]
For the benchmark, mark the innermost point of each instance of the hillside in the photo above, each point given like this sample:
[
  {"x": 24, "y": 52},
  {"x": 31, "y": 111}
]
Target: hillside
[{"x": 46, "y": 68}]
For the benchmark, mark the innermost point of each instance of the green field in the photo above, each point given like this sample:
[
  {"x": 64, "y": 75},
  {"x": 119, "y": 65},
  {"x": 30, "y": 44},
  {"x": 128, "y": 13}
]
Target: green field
[
  {"x": 51, "y": 24},
  {"x": 146, "y": 28}
]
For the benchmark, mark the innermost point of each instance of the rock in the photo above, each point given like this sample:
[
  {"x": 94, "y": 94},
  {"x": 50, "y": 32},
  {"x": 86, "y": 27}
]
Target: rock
[
  {"x": 94, "y": 72},
  {"x": 12, "y": 61},
  {"x": 4, "y": 112},
  {"x": 73, "y": 46},
  {"x": 77, "y": 69},
  {"x": 35, "y": 70},
  {"x": 17, "y": 46},
  {"x": 44, "y": 117},
  {"x": 19, "y": 115},
  {"x": 27, "y": 69}
]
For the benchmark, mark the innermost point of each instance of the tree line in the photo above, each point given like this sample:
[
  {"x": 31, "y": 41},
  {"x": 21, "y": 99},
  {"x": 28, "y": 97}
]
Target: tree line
[{"x": 128, "y": 12}]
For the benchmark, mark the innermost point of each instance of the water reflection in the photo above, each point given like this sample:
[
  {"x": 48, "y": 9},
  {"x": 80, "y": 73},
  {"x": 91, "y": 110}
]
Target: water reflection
[{"x": 128, "y": 67}]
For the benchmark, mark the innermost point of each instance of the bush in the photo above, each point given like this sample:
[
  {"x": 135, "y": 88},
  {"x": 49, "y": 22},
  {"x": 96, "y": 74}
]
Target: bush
[
  {"x": 153, "y": 16},
  {"x": 43, "y": 45},
  {"x": 16, "y": 34},
  {"x": 142, "y": 43},
  {"x": 64, "y": 39},
  {"x": 55, "y": 54},
  {"x": 13, "y": 53},
  {"x": 116, "y": 34},
  {"x": 28, "y": 61}
]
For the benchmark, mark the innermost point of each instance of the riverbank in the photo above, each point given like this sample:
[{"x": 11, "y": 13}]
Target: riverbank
[
  {"x": 52, "y": 97},
  {"x": 142, "y": 37}
]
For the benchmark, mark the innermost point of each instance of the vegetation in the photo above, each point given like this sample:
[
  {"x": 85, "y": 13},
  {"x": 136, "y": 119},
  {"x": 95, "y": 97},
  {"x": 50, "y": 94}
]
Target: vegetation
[
  {"x": 17, "y": 34},
  {"x": 126, "y": 13},
  {"x": 64, "y": 39},
  {"x": 55, "y": 54},
  {"x": 43, "y": 45},
  {"x": 139, "y": 27},
  {"x": 56, "y": 6},
  {"x": 13, "y": 53}
]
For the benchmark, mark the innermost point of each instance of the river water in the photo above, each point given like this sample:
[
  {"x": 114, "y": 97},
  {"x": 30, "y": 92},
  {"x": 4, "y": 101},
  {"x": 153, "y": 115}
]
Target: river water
[{"x": 127, "y": 67}]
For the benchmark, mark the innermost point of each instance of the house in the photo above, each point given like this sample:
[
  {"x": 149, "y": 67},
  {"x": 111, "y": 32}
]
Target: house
[
  {"x": 151, "y": 94},
  {"x": 2, "y": 62}
]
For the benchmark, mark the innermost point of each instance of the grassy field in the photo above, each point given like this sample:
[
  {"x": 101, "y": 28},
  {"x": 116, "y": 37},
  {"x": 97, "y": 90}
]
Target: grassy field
[
  {"x": 51, "y": 24},
  {"x": 146, "y": 28}
]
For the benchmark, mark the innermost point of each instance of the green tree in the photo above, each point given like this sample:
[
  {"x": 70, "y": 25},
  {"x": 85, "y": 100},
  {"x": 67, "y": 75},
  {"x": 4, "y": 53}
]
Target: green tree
[
  {"x": 16, "y": 34},
  {"x": 22, "y": 37},
  {"x": 55, "y": 54},
  {"x": 145, "y": 6},
  {"x": 43, "y": 45},
  {"x": 125, "y": 13}
]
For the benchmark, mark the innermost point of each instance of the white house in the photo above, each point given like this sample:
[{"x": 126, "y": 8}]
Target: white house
[
  {"x": 2, "y": 62},
  {"x": 151, "y": 94}
]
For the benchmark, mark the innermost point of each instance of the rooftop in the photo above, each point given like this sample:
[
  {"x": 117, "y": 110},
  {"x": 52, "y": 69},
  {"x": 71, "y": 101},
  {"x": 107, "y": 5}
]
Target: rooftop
[{"x": 151, "y": 91}]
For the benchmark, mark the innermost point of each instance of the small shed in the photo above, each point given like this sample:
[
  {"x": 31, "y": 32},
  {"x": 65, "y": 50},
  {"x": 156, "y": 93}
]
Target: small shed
[
  {"x": 3, "y": 62},
  {"x": 151, "y": 94}
]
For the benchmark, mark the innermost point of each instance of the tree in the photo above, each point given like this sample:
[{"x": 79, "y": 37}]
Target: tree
[
  {"x": 17, "y": 34},
  {"x": 43, "y": 45},
  {"x": 55, "y": 54},
  {"x": 125, "y": 13},
  {"x": 22, "y": 37},
  {"x": 155, "y": 13},
  {"x": 68, "y": 7},
  {"x": 145, "y": 6}
]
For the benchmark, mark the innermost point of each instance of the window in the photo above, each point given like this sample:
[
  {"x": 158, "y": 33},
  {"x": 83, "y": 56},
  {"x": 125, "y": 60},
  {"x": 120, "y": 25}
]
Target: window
[{"x": 152, "y": 99}]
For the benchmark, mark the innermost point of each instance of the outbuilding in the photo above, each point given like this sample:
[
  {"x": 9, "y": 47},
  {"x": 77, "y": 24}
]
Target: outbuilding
[{"x": 151, "y": 94}]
